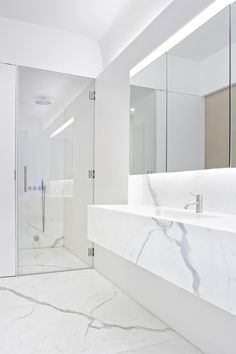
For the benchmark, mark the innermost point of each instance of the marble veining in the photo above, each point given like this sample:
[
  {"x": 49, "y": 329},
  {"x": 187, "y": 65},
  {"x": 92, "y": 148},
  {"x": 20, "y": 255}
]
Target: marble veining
[
  {"x": 80, "y": 312},
  {"x": 52, "y": 237},
  {"x": 94, "y": 323},
  {"x": 184, "y": 248},
  {"x": 153, "y": 193},
  {"x": 173, "y": 189},
  {"x": 58, "y": 242},
  {"x": 189, "y": 253}
]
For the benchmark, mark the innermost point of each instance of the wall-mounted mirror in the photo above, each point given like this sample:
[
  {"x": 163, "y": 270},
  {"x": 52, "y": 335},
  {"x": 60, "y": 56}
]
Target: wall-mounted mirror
[
  {"x": 198, "y": 98},
  {"x": 189, "y": 127},
  {"x": 233, "y": 85},
  {"x": 148, "y": 119}
]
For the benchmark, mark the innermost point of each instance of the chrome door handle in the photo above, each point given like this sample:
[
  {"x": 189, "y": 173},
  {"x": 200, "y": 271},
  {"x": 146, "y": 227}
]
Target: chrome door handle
[
  {"x": 25, "y": 178},
  {"x": 43, "y": 191}
]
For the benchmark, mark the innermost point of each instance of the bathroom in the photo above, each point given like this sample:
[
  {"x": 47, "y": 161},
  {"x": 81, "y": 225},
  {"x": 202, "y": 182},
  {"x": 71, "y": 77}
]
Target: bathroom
[{"x": 118, "y": 177}]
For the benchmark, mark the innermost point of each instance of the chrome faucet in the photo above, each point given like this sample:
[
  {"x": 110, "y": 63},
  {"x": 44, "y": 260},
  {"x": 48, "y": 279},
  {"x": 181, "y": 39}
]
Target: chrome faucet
[{"x": 198, "y": 203}]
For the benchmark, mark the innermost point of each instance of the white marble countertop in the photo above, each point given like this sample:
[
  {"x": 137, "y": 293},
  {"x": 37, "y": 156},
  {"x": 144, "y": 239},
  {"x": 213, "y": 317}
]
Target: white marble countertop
[
  {"x": 223, "y": 222},
  {"x": 193, "y": 251}
]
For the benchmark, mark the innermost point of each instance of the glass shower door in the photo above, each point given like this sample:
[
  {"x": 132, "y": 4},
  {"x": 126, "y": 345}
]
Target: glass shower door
[{"x": 55, "y": 154}]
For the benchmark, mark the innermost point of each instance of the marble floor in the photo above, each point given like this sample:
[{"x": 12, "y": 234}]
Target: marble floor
[
  {"x": 42, "y": 260},
  {"x": 79, "y": 312}
]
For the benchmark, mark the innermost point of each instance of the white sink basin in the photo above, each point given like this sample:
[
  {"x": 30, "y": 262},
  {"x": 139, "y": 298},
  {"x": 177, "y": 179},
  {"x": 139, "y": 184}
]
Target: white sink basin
[
  {"x": 161, "y": 212},
  {"x": 182, "y": 214},
  {"x": 207, "y": 220}
]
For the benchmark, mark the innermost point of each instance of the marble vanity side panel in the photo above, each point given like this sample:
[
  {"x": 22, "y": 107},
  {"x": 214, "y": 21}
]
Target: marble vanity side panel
[
  {"x": 113, "y": 230},
  {"x": 199, "y": 260}
]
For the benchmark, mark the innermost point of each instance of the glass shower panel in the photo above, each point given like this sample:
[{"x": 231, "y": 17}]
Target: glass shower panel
[
  {"x": 78, "y": 157},
  {"x": 55, "y": 153}
]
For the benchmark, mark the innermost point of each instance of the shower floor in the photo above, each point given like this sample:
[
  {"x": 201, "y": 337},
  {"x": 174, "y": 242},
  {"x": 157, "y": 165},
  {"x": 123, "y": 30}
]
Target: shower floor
[{"x": 41, "y": 260}]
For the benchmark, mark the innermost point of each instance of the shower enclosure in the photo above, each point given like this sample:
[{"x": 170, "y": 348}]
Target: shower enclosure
[{"x": 55, "y": 158}]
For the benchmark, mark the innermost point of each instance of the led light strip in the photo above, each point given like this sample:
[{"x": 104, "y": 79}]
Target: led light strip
[
  {"x": 185, "y": 31},
  {"x": 64, "y": 126}
]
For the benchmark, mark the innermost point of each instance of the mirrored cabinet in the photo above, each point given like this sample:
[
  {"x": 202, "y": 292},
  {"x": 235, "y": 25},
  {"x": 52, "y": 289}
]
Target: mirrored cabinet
[
  {"x": 183, "y": 105},
  {"x": 233, "y": 85},
  {"x": 148, "y": 119}
]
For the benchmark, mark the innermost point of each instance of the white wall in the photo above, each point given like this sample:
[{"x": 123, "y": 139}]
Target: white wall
[
  {"x": 112, "y": 136},
  {"x": 7, "y": 163},
  {"x": 50, "y": 49},
  {"x": 126, "y": 30}
]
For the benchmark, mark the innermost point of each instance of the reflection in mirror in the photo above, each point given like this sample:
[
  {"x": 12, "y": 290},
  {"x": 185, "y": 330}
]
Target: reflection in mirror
[
  {"x": 233, "y": 87},
  {"x": 148, "y": 119},
  {"x": 198, "y": 98}
]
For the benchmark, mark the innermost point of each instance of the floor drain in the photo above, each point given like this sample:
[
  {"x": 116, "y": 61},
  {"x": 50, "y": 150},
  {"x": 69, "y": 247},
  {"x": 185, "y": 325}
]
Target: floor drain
[{"x": 36, "y": 238}]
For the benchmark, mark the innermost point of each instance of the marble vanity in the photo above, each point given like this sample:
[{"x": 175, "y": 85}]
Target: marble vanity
[{"x": 194, "y": 251}]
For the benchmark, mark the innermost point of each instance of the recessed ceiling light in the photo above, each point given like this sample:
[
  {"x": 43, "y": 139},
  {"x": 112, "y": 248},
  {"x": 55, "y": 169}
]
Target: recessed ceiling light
[
  {"x": 43, "y": 101},
  {"x": 132, "y": 109}
]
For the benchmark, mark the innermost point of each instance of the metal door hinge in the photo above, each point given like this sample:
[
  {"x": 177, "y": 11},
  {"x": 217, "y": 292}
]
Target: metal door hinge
[
  {"x": 15, "y": 175},
  {"x": 92, "y": 95},
  {"x": 91, "y": 252},
  {"x": 91, "y": 174}
]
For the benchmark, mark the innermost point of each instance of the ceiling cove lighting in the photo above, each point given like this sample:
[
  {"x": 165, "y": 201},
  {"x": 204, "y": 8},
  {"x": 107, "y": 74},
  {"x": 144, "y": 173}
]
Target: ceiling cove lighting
[
  {"x": 61, "y": 128},
  {"x": 185, "y": 31}
]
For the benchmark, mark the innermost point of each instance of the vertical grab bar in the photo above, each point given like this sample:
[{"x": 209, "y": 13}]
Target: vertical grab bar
[
  {"x": 25, "y": 179},
  {"x": 43, "y": 190}
]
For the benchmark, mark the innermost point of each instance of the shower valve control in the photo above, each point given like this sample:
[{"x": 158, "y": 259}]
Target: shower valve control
[{"x": 36, "y": 188}]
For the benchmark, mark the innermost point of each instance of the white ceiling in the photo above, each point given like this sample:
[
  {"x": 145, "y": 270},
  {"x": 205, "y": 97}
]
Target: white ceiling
[
  {"x": 60, "y": 89},
  {"x": 88, "y": 17},
  {"x": 107, "y": 21}
]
